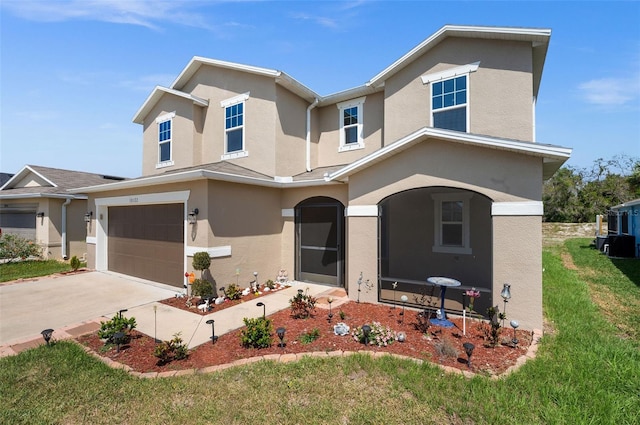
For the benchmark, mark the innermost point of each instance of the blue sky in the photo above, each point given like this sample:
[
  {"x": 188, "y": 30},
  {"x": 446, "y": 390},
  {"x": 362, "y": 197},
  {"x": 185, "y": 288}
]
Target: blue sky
[{"x": 73, "y": 73}]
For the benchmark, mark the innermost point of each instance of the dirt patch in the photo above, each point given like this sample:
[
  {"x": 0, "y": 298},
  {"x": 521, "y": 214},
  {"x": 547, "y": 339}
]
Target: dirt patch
[
  {"x": 441, "y": 345},
  {"x": 557, "y": 233}
]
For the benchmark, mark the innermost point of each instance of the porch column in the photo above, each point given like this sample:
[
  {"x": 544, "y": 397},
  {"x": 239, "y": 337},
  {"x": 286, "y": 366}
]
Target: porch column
[
  {"x": 517, "y": 260},
  {"x": 362, "y": 252}
]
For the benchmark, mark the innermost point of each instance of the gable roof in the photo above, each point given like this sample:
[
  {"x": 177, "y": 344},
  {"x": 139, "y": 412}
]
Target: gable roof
[
  {"x": 553, "y": 156},
  {"x": 537, "y": 36},
  {"x": 54, "y": 183}
]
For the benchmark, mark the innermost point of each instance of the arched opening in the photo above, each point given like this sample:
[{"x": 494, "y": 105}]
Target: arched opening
[
  {"x": 320, "y": 241},
  {"x": 435, "y": 231}
]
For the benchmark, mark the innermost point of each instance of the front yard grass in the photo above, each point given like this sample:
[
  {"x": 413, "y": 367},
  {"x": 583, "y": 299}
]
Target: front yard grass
[
  {"x": 584, "y": 374},
  {"x": 31, "y": 268}
]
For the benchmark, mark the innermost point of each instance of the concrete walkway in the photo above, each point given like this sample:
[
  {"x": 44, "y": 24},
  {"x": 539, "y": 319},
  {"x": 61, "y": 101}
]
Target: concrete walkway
[{"x": 75, "y": 304}]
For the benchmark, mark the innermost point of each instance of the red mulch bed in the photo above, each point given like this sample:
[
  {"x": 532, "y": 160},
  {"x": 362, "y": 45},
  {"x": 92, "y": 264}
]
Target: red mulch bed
[
  {"x": 181, "y": 303},
  {"x": 138, "y": 354}
]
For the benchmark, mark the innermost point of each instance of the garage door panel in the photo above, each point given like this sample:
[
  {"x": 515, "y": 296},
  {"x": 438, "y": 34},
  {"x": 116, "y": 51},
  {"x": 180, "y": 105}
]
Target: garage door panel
[{"x": 147, "y": 241}]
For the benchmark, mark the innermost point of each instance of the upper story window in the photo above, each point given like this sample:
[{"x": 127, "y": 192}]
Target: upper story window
[
  {"x": 351, "y": 128},
  {"x": 165, "y": 132},
  {"x": 451, "y": 216},
  {"x": 234, "y": 125},
  {"x": 450, "y": 97}
]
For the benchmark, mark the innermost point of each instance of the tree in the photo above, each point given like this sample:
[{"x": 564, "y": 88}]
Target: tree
[{"x": 560, "y": 196}]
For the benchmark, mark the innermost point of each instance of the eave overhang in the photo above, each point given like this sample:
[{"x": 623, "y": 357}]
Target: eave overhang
[
  {"x": 627, "y": 204},
  {"x": 43, "y": 195},
  {"x": 155, "y": 97},
  {"x": 553, "y": 156},
  {"x": 193, "y": 175}
]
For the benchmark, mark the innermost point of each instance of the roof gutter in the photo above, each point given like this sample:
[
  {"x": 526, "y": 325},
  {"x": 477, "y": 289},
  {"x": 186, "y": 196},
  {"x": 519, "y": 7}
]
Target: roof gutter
[{"x": 308, "y": 153}]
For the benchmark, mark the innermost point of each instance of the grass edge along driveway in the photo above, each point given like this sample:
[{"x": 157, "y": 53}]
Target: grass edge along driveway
[{"x": 584, "y": 374}]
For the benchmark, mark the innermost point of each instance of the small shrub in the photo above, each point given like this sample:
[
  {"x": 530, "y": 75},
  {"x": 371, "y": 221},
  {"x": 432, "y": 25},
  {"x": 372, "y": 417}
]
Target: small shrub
[
  {"x": 201, "y": 288},
  {"x": 175, "y": 349},
  {"x": 74, "y": 263},
  {"x": 445, "y": 348},
  {"x": 302, "y": 305},
  {"x": 257, "y": 333},
  {"x": 493, "y": 329},
  {"x": 342, "y": 314},
  {"x": 309, "y": 337},
  {"x": 422, "y": 322},
  {"x": 15, "y": 248},
  {"x": 234, "y": 292},
  {"x": 379, "y": 335},
  {"x": 269, "y": 284},
  {"x": 117, "y": 324},
  {"x": 201, "y": 260}
]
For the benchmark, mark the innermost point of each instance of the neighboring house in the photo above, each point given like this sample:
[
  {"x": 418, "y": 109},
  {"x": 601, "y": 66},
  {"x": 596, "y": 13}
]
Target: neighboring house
[
  {"x": 623, "y": 221},
  {"x": 431, "y": 168},
  {"x": 35, "y": 203},
  {"x": 4, "y": 177}
]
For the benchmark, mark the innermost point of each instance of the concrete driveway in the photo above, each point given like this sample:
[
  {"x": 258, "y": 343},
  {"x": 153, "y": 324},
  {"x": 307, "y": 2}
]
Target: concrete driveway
[{"x": 26, "y": 308}]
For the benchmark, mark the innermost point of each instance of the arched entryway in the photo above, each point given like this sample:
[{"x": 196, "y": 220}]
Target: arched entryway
[
  {"x": 320, "y": 241},
  {"x": 435, "y": 231}
]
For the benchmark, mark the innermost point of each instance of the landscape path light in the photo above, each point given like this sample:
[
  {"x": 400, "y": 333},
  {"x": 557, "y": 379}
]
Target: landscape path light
[
  {"x": 468, "y": 349},
  {"x": 506, "y": 296},
  {"x": 280, "y": 332},
  {"x": 46, "y": 335},
  {"x": 213, "y": 330},
  {"x": 514, "y": 324},
  {"x": 404, "y": 300},
  {"x": 330, "y": 300},
  {"x": 264, "y": 309}
]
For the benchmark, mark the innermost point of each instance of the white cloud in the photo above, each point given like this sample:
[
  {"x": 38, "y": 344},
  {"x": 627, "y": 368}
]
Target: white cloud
[
  {"x": 320, "y": 20},
  {"x": 144, "y": 13},
  {"x": 146, "y": 83},
  {"x": 611, "y": 91}
]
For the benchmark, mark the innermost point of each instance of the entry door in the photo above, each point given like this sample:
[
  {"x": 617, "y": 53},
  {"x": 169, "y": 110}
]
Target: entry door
[{"x": 320, "y": 241}]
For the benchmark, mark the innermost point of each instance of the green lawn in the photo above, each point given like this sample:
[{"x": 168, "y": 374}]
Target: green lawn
[
  {"x": 585, "y": 373},
  {"x": 27, "y": 269}
]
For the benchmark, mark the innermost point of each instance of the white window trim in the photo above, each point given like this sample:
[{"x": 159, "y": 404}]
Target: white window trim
[
  {"x": 359, "y": 102},
  {"x": 162, "y": 118},
  {"x": 241, "y": 98},
  {"x": 446, "y": 75},
  {"x": 438, "y": 198}
]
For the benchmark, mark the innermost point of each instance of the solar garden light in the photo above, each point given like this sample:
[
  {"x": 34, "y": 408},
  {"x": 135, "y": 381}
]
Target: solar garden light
[
  {"x": 506, "y": 296},
  {"x": 468, "y": 349},
  {"x": 118, "y": 338},
  {"x": 394, "y": 285},
  {"x": 514, "y": 324},
  {"x": 46, "y": 335},
  {"x": 330, "y": 300},
  {"x": 366, "y": 329},
  {"x": 213, "y": 330},
  {"x": 280, "y": 332},
  {"x": 255, "y": 274},
  {"x": 264, "y": 309},
  {"x": 404, "y": 300}
]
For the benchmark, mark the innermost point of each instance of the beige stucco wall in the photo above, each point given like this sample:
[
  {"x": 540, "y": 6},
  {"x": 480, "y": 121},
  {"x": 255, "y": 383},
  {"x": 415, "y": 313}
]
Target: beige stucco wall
[
  {"x": 329, "y": 137},
  {"x": 183, "y": 135},
  {"x": 517, "y": 244},
  {"x": 499, "y": 95},
  {"x": 291, "y": 131},
  {"x": 499, "y": 175}
]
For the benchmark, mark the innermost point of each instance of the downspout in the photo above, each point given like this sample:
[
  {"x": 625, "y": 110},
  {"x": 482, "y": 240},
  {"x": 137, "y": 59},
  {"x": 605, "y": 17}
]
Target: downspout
[
  {"x": 313, "y": 105},
  {"x": 64, "y": 228}
]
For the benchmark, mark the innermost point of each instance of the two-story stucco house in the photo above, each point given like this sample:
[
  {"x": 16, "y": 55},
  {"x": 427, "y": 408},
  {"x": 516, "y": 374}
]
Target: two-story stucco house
[{"x": 431, "y": 168}]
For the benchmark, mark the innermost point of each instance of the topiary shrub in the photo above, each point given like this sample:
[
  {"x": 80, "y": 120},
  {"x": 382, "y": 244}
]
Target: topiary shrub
[
  {"x": 257, "y": 333},
  {"x": 201, "y": 261},
  {"x": 201, "y": 288}
]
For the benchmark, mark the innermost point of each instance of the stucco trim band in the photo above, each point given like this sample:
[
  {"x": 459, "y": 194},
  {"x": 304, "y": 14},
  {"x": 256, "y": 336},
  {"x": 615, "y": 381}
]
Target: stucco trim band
[
  {"x": 91, "y": 240},
  {"x": 214, "y": 252},
  {"x": 528, "y": 208},
  {"x": 361, "y": 211}
]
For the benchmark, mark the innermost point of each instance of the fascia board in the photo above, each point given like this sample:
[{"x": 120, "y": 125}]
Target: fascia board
[
  {"x": 22, "y": 174},
  {"x": 548, "y": 152},
  {"x": 296, "y": 87},
  {"x": 155, "y": 96},
  {"x": 457, "y": 30},
  {"x": 197, "y": 61},
  {"x": 43, "y": 195},
  {"x": 196, "y": 175},
  {"x": 627, "y": 204}
]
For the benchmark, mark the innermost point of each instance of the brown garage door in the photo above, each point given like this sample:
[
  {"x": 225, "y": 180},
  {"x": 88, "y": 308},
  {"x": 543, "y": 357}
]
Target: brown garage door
[{"x": 147, "y": 241}]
